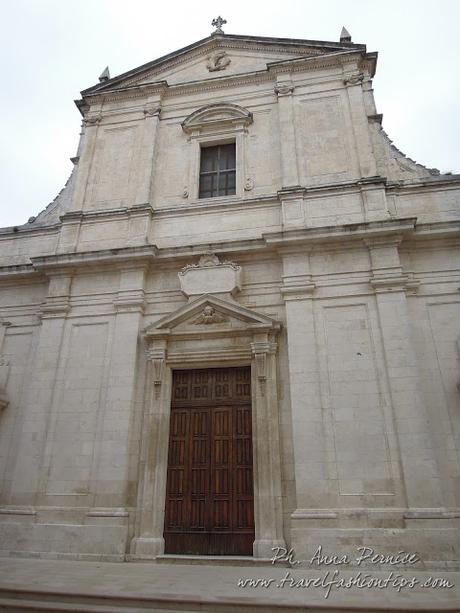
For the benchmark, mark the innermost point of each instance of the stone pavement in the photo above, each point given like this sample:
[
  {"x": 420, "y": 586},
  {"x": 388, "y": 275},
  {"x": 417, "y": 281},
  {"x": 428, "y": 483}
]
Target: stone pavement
[{"x": 107, "y": 587}]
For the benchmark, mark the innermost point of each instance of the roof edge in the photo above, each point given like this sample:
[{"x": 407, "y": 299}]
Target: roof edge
[{"x": 241, "y": 37}]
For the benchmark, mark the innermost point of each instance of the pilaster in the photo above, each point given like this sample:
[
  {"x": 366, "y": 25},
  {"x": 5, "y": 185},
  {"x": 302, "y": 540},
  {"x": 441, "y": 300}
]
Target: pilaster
[
  {"x": 293, "y": 212},
  {"x": 152, "y": 111},
  {"x": 309, "y": 438},
  {"x": 149, "y": 540},
  {"x": 284, "y": 90},
  {"x": 88, "y": 143},
  {"x": 118, "y": 416},
  {"x": 4, "y": 366},
  {"x": 412, "y": 423},
  {"x": 353, "y": 83},
  {"x": 27, "y": 478},
  {"x": 267, "y": 461}
]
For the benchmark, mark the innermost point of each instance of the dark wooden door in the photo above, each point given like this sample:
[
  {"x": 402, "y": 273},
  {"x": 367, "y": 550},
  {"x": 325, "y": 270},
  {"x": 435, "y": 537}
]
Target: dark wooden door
[{"x": 209, "y": 493}]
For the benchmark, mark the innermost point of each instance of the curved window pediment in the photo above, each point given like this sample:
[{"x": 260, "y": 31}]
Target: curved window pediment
[{"x": 217, "y": 116}]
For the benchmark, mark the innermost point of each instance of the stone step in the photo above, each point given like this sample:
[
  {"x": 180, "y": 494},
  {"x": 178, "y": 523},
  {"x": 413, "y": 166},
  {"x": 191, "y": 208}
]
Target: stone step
[
  {"x": 243, "y": 561},
  {"x": 19, "y": 605},
  {"x": 103, "y": 587},
  {"x": 15, "y": 601}
]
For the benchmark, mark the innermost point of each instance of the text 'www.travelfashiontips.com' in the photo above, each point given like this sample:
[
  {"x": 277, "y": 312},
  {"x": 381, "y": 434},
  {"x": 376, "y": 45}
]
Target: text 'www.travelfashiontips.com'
[{"x": 334, "y": 579}]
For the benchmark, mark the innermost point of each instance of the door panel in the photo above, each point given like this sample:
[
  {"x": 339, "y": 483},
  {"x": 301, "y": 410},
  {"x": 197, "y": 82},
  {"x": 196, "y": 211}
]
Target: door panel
[{"x": 209, "y": 499}]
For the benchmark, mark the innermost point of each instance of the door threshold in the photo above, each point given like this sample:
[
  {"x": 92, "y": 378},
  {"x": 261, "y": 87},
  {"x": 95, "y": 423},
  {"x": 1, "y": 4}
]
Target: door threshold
[{"x": 173, "y": 558}]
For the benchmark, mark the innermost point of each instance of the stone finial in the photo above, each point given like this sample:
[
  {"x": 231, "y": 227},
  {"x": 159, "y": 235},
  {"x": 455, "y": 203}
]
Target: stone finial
[
  {"x": 345, "y": 36},
  {"x": 218, "y": 23},
  {"x": 105, "y": 75}
]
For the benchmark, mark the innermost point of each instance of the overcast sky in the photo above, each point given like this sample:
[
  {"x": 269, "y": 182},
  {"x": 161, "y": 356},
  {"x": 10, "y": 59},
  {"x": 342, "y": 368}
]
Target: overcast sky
[{"x": 52, "y": 49}]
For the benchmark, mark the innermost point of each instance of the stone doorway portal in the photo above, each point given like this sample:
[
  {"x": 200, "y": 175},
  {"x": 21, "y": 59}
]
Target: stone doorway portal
[{"x": 233, "y": 337}]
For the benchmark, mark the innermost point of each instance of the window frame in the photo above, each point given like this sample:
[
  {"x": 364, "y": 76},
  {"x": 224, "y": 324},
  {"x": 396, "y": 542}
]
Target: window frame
[
  {"x": 216, "y": 124},
  {"x": 218, "y": 173}
]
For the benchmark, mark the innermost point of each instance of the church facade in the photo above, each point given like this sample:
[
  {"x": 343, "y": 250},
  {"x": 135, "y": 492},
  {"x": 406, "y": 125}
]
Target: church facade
[{"x": 237, "y": 327}]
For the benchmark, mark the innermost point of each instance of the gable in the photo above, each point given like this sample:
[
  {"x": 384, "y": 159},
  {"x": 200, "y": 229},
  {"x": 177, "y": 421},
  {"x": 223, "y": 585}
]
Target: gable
[
  {"x": 221, "y": 55},
  {"x": 216, "y": 62}
]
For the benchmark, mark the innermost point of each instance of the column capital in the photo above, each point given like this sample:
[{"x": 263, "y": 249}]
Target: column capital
[
  {"x": 152, "y": 110},
  {"x": 92, "y": 120},
  {"x": 284, "y": 89},
  {"x": 379, "y": 242},
  {"x": 388, "y": 283},
  {"x": 298, "y": 291}
]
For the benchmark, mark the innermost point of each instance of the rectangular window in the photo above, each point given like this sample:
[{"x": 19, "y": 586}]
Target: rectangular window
[{"x": 218, "y": 171}]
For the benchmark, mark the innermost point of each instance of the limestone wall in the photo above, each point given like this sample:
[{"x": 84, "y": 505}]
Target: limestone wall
[{"x": 349, "y": 264}]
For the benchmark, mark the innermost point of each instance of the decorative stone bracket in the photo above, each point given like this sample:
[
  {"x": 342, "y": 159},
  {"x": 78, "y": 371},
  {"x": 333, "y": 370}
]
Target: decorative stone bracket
[
  {"x": 156, "y": 355},
  {"x": 260, "y": 351}
]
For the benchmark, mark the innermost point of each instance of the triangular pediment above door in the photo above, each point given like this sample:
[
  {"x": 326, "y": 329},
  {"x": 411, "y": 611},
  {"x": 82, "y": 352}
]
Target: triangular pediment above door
[{"x": 210, "y": 315}]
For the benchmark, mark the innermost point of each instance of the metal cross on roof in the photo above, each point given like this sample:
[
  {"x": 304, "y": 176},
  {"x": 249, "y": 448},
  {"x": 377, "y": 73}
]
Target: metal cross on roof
[{"x": 218, "y": 23}]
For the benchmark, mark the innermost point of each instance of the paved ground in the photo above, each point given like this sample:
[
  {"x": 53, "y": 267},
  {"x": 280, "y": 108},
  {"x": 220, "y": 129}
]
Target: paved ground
[{"x": 57, "y": 585}]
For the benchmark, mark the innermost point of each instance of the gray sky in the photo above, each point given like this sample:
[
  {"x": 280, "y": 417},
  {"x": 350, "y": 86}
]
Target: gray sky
[{"x": 52, "y": 49}]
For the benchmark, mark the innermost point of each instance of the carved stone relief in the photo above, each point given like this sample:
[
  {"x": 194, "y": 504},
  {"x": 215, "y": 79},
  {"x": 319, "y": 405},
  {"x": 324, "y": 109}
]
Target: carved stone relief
[
  {"x": 210, "y": 316},
  {"x": 218, "y": 61}
]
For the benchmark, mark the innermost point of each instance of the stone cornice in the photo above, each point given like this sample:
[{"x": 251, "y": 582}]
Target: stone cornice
[
  {"x": 392, "y": 282},
  {"x": 411, "y": 186},
  {"x": 18, "y": 272},
  {"x": 216, "y": 205},
  {"x": 297, "y": 292},
  {"x": 21, "y": 231},
  {"x": 313, "y": 63},
  {"x": 439, "y": 230},
  {"x": 112, "y": 257},
  {"x": 424, "y": 183},
  {"x": 125, "y": 93},
  {"x": 306, "y": 238},
  {"x": 78, "y": 216},
  {"x": 131, "y": 90},
  {"x": 342, "y": 233},
  {"x": 222, "y": 82}
]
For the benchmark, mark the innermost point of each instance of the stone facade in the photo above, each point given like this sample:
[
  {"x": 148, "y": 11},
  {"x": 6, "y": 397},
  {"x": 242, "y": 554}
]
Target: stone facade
[{"x": 333, "y": 271}]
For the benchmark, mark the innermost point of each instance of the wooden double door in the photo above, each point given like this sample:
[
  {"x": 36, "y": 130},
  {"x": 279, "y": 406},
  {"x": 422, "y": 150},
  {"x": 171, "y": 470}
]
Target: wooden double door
[{"x": 209, "y": 494}]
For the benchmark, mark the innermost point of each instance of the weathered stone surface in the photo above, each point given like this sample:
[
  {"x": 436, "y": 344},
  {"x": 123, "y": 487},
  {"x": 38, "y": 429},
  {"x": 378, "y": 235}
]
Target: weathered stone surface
[{"x": 333, "y": 271}]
